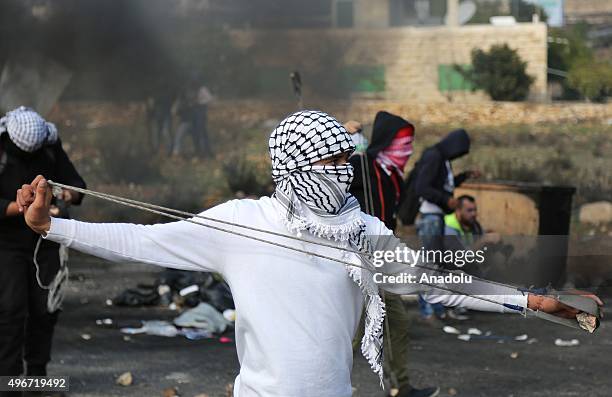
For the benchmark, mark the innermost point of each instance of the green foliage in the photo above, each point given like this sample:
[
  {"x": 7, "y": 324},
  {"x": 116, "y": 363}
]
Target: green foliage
[
  {"x": 592, "y": 79},
  {"x": 587, "y": 77},
  {"x": 500, "y": 72},
  {"x": 568, "y": 46}
]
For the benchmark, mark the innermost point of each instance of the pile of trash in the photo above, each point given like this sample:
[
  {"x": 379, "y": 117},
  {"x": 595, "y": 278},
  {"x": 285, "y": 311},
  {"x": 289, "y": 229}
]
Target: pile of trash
[
  {"x": 200, "y": 322},
  {"x": 179, "y": 288},
  {"x": 204, "y": 300}
]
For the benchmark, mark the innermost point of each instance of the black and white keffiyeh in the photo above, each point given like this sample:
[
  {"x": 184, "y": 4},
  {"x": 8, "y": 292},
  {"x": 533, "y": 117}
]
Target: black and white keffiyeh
[
  {"x": 315, "y": 198},
  {"x": 27, "y": 129}
]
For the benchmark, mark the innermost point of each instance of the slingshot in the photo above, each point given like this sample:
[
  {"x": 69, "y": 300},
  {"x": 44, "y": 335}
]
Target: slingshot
[{"x": 578, "y": 302}]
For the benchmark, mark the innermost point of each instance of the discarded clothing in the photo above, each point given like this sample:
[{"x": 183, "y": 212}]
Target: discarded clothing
[
  {"x": 203, "y": 316},
  {"x": 141, "y": 296},
  {"x": 154, "y": 327}
]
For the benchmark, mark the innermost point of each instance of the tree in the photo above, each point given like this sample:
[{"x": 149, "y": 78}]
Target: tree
[
  {"x": 587, "y": 77},
  {"x": 568, "y": 46},
  {"x": 500, "y": 72},
  {"x": 593, "y": 79}
]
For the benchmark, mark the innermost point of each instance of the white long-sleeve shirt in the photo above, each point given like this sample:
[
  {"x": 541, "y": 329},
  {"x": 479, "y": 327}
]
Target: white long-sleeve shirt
[{"x": 297, "y": 314}]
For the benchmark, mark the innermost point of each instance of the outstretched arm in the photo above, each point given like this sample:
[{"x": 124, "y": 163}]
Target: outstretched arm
[
  {"x": 479, "y": 295},
  {"x": 180, "y": 245}
]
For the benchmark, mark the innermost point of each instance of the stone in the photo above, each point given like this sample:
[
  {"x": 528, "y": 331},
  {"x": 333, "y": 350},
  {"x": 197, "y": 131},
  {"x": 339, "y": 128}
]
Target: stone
[
  {"x": 596, "y": 213},
  {"x": 170, "y": 392},
  {"x": 125, "y": 379}
]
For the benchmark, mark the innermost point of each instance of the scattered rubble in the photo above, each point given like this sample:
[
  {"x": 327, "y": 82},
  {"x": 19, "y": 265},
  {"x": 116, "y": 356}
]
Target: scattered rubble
[
  {"x": 125, "y": 379},
  {"x": 566, "y": 343}
]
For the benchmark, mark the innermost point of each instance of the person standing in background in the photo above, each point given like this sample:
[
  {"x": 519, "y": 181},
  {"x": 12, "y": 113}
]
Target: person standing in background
[
  {"x": 434, "y": 185},
  {"x": 378, "y": 182},
  {"x": 159, "y": 117},
  {"x": 28, "y": 310},
  {"x": 192, "y": 111},
  {"x": 354, "y": 128},
  {"x": 384, "y": 161},
  {"x": 203, "y": 99}
]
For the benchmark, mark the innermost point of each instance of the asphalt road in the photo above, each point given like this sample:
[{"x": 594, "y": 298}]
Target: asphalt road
[{"x": 474, "y": 368}]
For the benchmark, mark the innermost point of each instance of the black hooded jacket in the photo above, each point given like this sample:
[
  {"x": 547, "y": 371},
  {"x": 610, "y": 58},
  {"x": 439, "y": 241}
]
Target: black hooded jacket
[
  {"x": 432, "y": 173},
  {"x": 386, "y": 191}
]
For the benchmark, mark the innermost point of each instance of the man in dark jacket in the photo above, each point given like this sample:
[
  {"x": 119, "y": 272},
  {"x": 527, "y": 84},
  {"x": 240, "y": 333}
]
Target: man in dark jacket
[
  {"x": 377, "y": 185},
  {"x": 28, "y": 146},
  {"x": 434, "y": 185}
]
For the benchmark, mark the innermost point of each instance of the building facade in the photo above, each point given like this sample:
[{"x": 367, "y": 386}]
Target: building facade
[{"x": 394, "y": 63}]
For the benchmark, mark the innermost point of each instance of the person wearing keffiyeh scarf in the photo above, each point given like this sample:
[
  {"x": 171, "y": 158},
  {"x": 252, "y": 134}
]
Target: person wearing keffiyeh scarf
[
  {"x": 30, "y": 145},
  {"x": 315, "y": 198},
  {"x": 27, "y": 129},
  {"x": 380, "y": 171},
  {"x": 379, "y": 177},
  {"x": 297, "y": 311}
]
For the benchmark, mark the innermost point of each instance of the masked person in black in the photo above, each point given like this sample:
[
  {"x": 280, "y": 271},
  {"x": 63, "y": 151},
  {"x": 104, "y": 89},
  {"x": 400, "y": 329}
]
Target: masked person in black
[
  {"x": 434, "y": 185},
  {"x": 378, "y": 185},
  {"x": 29, "y": 146},
  {"x": 379, "y": 174}
]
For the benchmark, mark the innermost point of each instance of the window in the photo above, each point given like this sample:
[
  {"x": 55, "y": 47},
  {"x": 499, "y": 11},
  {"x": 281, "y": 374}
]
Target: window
[
  {"x": 417, "y": 12},
  {"x": 344, "y": 13}
]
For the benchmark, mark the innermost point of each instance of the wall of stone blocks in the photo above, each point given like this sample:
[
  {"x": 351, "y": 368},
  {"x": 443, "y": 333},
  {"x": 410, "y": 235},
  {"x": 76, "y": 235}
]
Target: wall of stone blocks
[
  {"x": 575, "y": 8},
  {"x": 410, "y": 56}
]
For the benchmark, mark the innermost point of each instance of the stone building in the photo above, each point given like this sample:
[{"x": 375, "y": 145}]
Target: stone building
[
  {"x": 390, "y": 49},
  {"x": 592, "y": 11}
]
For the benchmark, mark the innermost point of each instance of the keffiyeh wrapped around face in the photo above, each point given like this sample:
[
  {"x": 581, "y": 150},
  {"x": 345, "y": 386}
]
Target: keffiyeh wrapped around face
[
  {"x": 27, "y": 129},
  {"x": 315, "y": 198},
  {"x": 396, "y": 155}
]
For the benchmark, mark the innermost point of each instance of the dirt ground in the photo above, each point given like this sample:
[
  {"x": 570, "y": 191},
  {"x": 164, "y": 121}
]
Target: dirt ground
[{"x": 475, "y": 368}]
